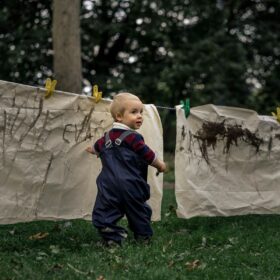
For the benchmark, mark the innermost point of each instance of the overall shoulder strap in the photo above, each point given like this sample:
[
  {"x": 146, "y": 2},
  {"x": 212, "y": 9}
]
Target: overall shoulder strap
[
  {"x": 108, "y": 141},
  {"x": 119, "y": 140}
]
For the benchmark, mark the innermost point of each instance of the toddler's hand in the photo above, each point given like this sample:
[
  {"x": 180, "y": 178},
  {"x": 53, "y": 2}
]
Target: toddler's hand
[
  {"x": 90, "y": 150},
  {"x": 161, "y": 167}
]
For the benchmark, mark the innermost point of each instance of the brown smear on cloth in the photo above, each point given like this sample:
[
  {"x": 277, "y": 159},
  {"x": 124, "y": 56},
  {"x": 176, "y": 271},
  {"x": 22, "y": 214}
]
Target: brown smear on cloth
[{"x": 211, "y": 132}]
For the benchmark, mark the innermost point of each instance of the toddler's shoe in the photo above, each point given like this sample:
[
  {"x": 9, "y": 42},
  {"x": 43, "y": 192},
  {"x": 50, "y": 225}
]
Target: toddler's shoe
[{"x": 109, "y": 243}]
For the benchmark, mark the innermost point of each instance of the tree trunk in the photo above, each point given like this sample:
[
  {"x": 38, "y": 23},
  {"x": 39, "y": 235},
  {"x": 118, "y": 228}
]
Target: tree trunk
[{"x": 67, "y": 45}]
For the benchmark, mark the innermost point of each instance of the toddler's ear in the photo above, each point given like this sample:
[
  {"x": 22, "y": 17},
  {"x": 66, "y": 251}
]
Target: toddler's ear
[{"x": 119, "y": 117}]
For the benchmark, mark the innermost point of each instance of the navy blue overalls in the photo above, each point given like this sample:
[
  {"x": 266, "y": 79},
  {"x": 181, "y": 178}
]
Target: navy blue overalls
[{"x": 122, "y": 190}]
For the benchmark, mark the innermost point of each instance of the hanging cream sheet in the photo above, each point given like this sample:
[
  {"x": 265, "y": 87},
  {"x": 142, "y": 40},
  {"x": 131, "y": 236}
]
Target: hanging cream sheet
[
  {"x": 227, "y": 162},
  {"x": 45, "y": 172}
]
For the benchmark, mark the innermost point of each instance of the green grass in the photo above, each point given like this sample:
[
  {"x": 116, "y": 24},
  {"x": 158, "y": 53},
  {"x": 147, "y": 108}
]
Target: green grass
[
  {"x": 169, "y": 175},
  {"x": 245, "y": 247}
]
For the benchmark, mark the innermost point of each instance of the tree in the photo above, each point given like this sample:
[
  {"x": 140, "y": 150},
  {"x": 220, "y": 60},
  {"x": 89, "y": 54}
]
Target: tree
[
  {"x": 222, "y": 52},
  {"x": 67, "y": 45},
  {"x": 213, "y": 51}
]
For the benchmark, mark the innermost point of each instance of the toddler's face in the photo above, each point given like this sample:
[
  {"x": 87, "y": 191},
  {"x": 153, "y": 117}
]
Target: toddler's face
[{"x": 133, "y": 114}]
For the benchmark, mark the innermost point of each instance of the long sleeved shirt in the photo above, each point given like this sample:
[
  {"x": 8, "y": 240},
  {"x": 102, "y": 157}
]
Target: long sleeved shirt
[{"x": 134, "y": 141}]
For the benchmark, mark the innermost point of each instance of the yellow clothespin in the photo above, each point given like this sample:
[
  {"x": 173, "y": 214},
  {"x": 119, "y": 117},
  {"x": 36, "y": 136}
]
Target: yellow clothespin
[
  {"x": 96, "y": 94},
  {"x": 277, "y": 115},
  {"x": 50, "y": 87}
]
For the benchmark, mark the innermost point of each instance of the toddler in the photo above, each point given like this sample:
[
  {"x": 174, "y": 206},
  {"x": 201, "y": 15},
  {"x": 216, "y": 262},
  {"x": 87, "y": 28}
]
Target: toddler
[{"x": 122, "y": 183}]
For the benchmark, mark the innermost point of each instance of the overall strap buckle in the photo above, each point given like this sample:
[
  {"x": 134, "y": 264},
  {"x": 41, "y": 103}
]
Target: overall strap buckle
[
  {"x": 119, "y": 140},
  {"x": 108, "y": 141}
]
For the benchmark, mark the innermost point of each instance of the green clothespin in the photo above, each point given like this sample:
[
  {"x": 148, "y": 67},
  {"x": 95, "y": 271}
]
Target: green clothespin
[{"x": 186, "y": 106}]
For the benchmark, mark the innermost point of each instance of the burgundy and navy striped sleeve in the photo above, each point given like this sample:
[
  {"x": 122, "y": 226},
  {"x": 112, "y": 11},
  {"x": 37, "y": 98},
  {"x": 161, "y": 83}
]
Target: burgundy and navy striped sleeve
[
  {"x": 98, "y": 145},
  {"x": 137, "y": 143},
  {"x": 134, "y": 141}
]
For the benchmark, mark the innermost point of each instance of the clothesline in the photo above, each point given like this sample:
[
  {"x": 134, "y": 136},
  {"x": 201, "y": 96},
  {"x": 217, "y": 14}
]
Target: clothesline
[
  {"x": 164, "y": 107},
  {"x": 27, "y": 107},
  {"x": 50, "y": 88}
]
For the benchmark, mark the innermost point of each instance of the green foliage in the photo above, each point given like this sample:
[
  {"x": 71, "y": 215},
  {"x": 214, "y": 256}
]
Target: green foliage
[
  {"x": 169, "y": 175},
  {"x": 244, "y": 247},
  {"x": 222, "y": 52},
  {"x": 25, "y": 45}
]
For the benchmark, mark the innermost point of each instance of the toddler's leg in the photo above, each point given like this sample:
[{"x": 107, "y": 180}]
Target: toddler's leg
[
  {"x": 139, "y": 219},
  {"x": 105, "y": 219}
]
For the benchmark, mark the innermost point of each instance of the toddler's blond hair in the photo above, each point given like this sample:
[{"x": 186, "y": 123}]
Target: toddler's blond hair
[{"x": 118, "y": 104}]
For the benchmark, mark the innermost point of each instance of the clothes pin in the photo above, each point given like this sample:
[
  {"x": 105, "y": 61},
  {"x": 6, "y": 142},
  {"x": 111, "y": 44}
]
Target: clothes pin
[
  {"x": 277, "y": 115},
  {"x": 50, "y": 87},
  {"x": 97, "y": 95},
  {"x": 186, "y": 106}
]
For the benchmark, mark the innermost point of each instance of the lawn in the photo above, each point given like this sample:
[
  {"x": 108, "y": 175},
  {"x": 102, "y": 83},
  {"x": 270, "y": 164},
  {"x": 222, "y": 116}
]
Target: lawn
[{"x": 245, "y": 247}]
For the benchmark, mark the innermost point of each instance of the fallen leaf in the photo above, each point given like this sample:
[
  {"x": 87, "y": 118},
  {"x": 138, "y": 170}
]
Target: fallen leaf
[
  {"x": 41, "y": 256},
  {"x": 101, "y": 277},
  {"x": 192, "y": 265},
  {"x": 67, "y": 224},
  {"x": 233, "y": 240},
  {"x": 171, "y": 263},
  {"x": 183, "y": 231},
  {"x": 76, "y": 270},
  {"x": 112, "y": 250},
  {"x": 204, "y": 241},
  {"x": 12, "y": 232},
  {"x": 118, "y": 259},
  {"x": 57, "y": 266},
  {"x": 181, "y": 256},
  {"x": 39, "y": 235},
  {"x": 202, "y": 266},
  {"x": 164, "y": 248},
  {"x": 54, "y": 249}
]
